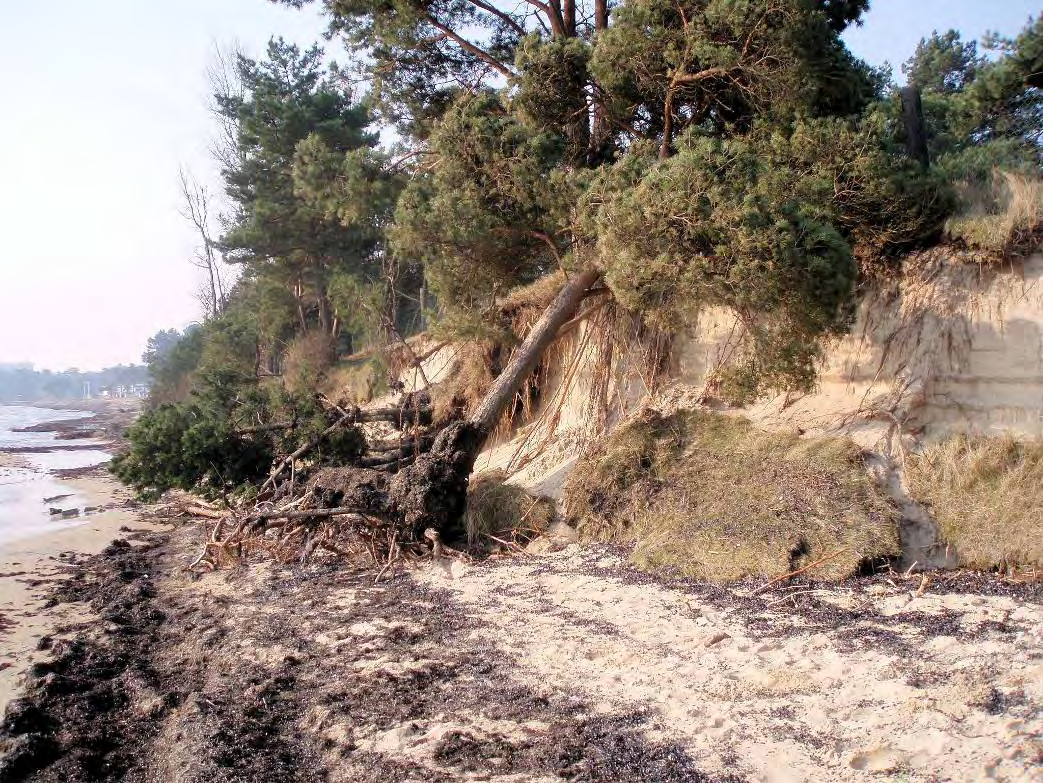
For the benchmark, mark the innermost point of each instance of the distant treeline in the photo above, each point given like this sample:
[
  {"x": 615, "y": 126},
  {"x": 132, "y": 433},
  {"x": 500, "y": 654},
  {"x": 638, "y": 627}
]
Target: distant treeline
[{"x": 21, "y": 383}]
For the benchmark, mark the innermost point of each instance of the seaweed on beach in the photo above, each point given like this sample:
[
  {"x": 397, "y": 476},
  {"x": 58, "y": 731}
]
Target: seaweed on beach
[{"x": 180, "y": 682}]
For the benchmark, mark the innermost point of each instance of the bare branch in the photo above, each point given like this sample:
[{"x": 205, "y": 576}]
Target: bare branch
[{"x": 469, "y": 47}]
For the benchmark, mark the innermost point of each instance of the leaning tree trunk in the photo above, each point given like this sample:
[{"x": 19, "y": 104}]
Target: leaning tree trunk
[
  {"x": 528, "y": 355},
  {"x": 385, "y": 511},
  {"x": 433, "y": 491}
]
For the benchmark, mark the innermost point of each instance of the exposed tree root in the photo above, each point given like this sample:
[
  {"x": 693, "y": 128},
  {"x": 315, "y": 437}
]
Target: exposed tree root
[{"x": 403, "y": 486}]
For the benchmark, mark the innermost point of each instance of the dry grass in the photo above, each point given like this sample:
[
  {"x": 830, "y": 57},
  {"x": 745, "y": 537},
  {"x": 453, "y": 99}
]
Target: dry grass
[
  {"x": 1006, "y": 221},
  {"x": 711, "y": 497},
  {"x": 356, "y": 381},
  {"x": 505, "y": 511},
  {"x": 479, "y": 359},
  {"x": 306, "y": 361},
  {"x": 523, "y": 306},
  {"x": 986, "y": 494},
  {"x": 466, "y": 383}
]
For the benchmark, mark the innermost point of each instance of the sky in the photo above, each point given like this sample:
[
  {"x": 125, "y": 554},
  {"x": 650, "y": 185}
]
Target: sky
[{"x": 104, "y": 101}]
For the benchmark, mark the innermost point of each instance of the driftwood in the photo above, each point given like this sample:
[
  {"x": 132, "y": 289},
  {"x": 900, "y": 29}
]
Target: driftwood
[
  {"x": 799, "y": 571},
  {"x": 365, "y": 508}
]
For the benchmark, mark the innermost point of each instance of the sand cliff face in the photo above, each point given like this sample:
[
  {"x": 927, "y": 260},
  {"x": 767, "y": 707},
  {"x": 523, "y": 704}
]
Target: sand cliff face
[{"x": 950, "y": 347}]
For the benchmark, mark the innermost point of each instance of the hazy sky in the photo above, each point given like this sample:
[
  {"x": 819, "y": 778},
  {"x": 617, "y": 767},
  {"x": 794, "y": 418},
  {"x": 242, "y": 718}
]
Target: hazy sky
[{"x": 104, "y": 100}]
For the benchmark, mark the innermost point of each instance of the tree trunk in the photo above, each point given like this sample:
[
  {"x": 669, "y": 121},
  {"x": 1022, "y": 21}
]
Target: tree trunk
[
  {"x": 569, "y": 17},
  {"x": 432, "y": 492},
  {"x": 298, "y": 296},
  {"x": 321, "y": 300},
  {"x": 525, "y": 359},
  {"x": 600, "y": 141},
  {"x": 915, "y": 130},
  {"x": 668, "y": 124}
]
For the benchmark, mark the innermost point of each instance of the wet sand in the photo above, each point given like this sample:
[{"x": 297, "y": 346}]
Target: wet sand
[
  {"x": 62, "y": 462},
  {"x": 30, "y": 567}
]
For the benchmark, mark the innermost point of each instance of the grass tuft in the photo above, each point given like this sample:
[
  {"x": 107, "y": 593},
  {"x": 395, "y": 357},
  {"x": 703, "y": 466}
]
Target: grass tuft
[
  {"x": 463, "y": 390},
  {"x": 357, "y": 381},
  {"x": 986, "y": 494},
  {"x": 504, "y": 510},
  {"x": 711, "y": 497},
  {"x": 1005, "y": 219}
]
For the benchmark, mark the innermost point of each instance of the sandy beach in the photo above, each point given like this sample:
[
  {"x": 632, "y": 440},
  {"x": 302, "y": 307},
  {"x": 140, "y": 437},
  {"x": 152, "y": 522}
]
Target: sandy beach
[
  {"x": 563, "y": 665},
  {"x": 562, "y": 662},
  {"x": 62, "y": 458}
]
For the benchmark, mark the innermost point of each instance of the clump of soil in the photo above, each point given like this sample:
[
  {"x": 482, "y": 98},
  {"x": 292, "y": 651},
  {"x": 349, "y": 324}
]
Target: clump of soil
[{"x": 709, "y": 496}]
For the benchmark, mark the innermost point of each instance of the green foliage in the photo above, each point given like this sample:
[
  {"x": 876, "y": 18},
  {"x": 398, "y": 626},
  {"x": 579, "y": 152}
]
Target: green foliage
[
  {"x": 719, "y": 64},
  {"x": 943, "y": 63},
  {"x": 171, "y": 365},
  {"x": 486, "y": 218},
  {"x": 549, "y": 90},
  {"x": 883, "y": 202},
  {"x": 159, "y": 346},
  {"x": 298, "y": 138},
  {"x": 189, "y": 445},
  {"x": 982, "y": 114},
  {"x": 412, "y": 52},
  {"x": 985, "y": 119},
  {"x": 707, "y": 152},
  {"x": 208, "y": 443}
]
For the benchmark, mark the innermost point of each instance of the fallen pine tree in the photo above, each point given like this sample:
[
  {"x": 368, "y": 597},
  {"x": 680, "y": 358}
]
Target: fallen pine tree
[{"x": 392, "y": 502}]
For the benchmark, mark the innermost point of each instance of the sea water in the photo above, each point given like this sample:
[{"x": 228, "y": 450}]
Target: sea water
[{"x": 26, "y": 479}]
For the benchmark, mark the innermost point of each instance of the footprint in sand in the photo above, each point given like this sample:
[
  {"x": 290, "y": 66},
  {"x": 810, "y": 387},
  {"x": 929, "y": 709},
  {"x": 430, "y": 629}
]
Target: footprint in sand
[{"x": 879, "y": 759}]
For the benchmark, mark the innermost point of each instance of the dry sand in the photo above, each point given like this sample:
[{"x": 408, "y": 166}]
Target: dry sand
[
  {"x": 562, "y": 665},
  {"x": 800, "y": 683},
  {"x": 29, "y": 569}
]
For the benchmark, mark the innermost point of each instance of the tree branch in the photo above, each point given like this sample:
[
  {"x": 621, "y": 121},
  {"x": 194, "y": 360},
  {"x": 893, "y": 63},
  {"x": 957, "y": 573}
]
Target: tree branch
[
  {"x": 506, "y": 19},
  {"x": 467, "y": 46}
]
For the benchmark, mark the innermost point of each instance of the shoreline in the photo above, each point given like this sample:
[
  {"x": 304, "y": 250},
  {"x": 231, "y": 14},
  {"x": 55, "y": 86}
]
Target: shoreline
[{"x": 31, "y": 565}]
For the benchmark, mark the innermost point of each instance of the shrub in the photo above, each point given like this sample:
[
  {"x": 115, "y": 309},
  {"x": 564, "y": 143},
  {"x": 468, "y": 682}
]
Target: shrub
[
  {"x": 709, "y": 496},
  {"x": 306, "y": 361},
  {"x": 191, "y": 447},
  {"x": 769, "y": 225},
  {"x": 986, "y": 494},
  {"x": 208, "y": 443}
]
